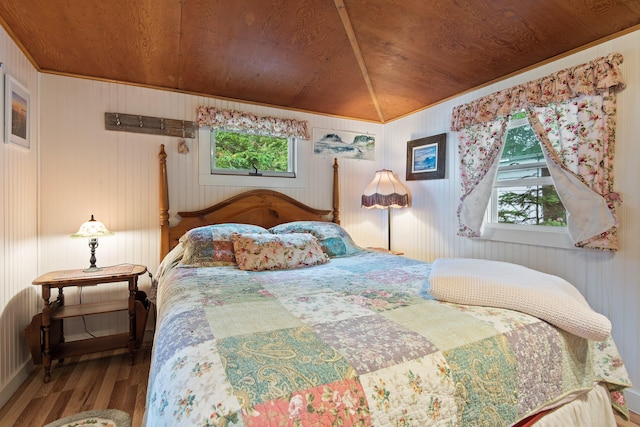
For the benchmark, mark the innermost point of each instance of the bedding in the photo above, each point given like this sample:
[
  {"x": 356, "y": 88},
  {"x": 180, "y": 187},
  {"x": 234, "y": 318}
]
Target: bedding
[
  {"x": 212, "y": 245},
  {"x": 335, "y": 241},
  {"x": 259, "y": 252},
  {"x": 358, "y": 340},
  {"x": 506, "y": 285}
]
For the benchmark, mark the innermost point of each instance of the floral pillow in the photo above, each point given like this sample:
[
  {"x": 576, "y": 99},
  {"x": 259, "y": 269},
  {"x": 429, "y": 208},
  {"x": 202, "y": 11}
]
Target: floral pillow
[
  {"x": 212, "y": 246},
  {"x": 271, "y": 252},
  {"x": 335, "y": 241}
]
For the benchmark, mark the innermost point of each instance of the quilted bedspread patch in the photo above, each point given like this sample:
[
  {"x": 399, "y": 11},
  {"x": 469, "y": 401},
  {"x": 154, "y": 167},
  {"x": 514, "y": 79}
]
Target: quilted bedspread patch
[{"x": 357, "y": 341}]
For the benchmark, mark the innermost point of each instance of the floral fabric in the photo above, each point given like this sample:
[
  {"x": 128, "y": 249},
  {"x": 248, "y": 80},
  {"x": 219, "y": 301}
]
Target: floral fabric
[
  {"x": 356, "y": 341},
  {"x": 335, "y": 240},
  {"x": 591, "y": 78},
  {"x": 578, "y": 138},
  {"x": 211, "y": 245},
  {"x": 573, "y": 112},
  {"x": 479, "y": 151},
  {"x": 238, "y": 120},
  {"x": 259, "y": 252}
]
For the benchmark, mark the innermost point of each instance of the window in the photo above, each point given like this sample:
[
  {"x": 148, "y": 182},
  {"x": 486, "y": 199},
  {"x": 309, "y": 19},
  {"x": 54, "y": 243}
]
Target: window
[
  {"x": 241, "y": 153},
  {"x": 524, "y": 192},
  {"x": 524, "y": 202},
  {"x": 230, "y": 159}
]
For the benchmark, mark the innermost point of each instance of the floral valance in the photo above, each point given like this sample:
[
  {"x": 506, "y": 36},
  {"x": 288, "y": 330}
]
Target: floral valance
[
  {"x": 585, "y": 79},
  {"x": 240, "y": 120}
]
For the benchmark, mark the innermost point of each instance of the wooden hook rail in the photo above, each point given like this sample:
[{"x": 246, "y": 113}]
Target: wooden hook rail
[{"x": 150, "y": 125}]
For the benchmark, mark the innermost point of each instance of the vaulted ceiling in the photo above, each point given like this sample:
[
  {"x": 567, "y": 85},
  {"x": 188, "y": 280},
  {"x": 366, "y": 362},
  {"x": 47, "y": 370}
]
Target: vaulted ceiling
[{"x": 374, "y": 60}]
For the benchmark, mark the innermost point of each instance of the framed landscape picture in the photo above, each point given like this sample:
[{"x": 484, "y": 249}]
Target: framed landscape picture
[
  {"x": 426, "y": 157},
  {"x": 350, "y": 145},
  {"x": 17, "y": 114}
]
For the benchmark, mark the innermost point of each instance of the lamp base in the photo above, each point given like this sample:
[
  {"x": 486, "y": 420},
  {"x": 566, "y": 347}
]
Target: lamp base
[{"x": 93, "y": 244}]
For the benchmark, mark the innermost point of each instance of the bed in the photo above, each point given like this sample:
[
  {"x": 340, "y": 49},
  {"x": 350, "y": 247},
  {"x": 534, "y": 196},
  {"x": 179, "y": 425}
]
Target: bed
[{"x": 269, "y": 314}]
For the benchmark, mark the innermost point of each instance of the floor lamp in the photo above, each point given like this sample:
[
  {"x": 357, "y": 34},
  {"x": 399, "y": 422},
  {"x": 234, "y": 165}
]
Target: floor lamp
[{"x": 385, "y": 192}]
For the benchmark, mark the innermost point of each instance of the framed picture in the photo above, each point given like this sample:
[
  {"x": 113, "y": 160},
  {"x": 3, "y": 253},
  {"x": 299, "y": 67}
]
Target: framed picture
[
  {"x": 350, "y": 145},
  {"x": 16, "y": 112},
  {"x": 426, "y": 157}
]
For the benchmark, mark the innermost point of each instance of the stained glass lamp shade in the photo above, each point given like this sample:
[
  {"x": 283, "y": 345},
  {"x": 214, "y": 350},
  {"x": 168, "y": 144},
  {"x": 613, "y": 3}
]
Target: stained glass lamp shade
[{"x": 92, "y": 230}]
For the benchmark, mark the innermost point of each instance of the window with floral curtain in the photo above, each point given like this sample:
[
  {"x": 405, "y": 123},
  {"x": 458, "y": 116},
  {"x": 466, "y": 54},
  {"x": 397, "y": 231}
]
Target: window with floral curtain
[
  {"x": 573, "y": 112},
  {"x": 239, "y": 120},
  {"x": 243, "y": 144}
]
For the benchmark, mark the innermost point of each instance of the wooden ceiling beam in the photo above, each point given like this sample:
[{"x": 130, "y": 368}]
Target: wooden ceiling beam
[{"x": 346, "y": 23}]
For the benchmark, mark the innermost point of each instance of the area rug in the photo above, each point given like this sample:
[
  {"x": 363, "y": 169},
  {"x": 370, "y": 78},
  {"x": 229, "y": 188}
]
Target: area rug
[{"x": 96, "y": 418}]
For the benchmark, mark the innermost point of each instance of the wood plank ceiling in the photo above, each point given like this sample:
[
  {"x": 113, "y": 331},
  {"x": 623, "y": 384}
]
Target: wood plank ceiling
[{"x": 374, "y": 60}]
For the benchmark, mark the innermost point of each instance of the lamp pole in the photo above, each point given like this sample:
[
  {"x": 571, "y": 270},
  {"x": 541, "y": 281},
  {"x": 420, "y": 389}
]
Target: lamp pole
[{"x": 389, "y": 228}]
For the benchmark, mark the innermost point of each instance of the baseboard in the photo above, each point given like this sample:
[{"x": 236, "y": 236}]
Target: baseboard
[
  {"x": 15, "y": 382},
  {"x": 633, "y": 399}
]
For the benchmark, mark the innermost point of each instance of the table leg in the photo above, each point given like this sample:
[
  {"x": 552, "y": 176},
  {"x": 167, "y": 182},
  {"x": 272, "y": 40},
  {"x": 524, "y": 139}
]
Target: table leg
[
  {"x": 46, "y": 324},
  {"x": 133, "y": 289},
  {"x": 60, "y": 304}
]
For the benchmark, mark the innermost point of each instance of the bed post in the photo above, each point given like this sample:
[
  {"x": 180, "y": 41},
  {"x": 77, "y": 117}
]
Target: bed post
[
  {"x": 336, "y": 193},
  {"x": 164, "y": 204}
]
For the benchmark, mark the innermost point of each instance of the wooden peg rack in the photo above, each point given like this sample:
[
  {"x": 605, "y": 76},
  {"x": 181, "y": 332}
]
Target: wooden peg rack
[{"x": 151, "y": 125}]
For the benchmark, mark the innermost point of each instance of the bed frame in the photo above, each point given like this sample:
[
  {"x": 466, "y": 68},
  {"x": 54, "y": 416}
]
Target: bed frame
[{"x": 266, "y": 208}]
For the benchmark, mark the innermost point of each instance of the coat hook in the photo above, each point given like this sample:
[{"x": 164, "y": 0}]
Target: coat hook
[
  {"x": 161, "y": 123},
  {"x": 117, "y": 120},
  {"x": 140, "y": 119}
]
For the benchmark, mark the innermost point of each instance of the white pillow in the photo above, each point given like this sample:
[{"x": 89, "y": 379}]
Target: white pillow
[{"x": 512, "y": 286}]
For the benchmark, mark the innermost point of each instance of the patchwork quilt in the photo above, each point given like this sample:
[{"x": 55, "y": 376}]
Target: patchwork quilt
[{"x": 355, "y": 341}]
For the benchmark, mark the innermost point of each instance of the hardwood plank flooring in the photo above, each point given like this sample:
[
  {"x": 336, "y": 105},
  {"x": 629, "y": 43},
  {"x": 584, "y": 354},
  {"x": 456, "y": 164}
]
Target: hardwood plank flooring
[
  {"x": 105, "y": 380},
  {"x": 96, "y": 381}
]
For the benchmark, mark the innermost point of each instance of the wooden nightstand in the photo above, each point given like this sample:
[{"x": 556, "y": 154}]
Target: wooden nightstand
[
  {"x": 45, "y": 333},
  {"x": 386, "y": 251}
]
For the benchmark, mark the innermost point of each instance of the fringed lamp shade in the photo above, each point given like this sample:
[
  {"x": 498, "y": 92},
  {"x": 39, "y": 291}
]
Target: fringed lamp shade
[{"x": 385, "y": 191}]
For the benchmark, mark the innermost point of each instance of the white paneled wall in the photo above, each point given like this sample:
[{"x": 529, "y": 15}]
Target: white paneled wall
[
  {"x": 609, "y": 281},
  {"x": 18, "y": 227},
  {"x": 114, "y": 175},
  {"x": 85, "y": 169}
]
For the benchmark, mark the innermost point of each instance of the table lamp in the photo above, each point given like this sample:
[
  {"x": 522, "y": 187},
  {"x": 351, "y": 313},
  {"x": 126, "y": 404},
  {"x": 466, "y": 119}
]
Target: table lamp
[
  {"x": 91, "y": 230},
  {"x": 385, "y": 192}
]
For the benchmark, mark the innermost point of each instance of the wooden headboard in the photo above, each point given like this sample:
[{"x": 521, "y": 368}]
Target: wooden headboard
[{"x": 266, "y": 208}]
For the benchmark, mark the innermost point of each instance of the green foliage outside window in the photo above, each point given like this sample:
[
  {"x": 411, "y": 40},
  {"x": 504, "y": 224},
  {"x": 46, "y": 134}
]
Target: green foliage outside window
[
  {"x": 532, "y": 204},
  {"x": 246, "y": 151},
  {"x": 539, "y": 205}
]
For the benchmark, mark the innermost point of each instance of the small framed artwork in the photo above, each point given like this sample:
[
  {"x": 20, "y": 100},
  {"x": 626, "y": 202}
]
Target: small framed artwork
[
  {"x": 426, "y": 157},
  {"x": 16, "y": 113}
]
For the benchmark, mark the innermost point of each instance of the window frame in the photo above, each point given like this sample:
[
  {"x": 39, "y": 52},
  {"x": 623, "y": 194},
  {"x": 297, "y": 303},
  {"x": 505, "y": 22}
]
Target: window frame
[
  {"x": 230, "y": 179},
  {"x": 291, "y": 158},
  {"x": 528, "y": 234}
]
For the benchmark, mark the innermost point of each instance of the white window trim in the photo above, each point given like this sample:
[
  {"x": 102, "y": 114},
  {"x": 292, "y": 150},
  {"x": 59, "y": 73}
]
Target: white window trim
[
  {"x": 205, "y": 178},
  {"x": 535, "y": 235}
]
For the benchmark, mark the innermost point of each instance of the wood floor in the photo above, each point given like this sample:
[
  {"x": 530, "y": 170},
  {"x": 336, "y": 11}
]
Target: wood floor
[
  {"x": 99, "y": 381},
  {"x": 104, "y": 380}
]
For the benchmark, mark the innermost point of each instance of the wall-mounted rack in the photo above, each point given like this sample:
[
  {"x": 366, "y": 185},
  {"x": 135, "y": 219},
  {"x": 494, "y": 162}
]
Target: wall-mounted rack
[{"x": 151, "y": 125}]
